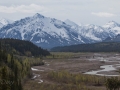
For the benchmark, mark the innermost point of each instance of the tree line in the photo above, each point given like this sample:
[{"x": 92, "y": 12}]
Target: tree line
[
  {"x": 14, "y": 68},
  {"x": 22, "y": 47},
  {"x": 95, "y": 47}
]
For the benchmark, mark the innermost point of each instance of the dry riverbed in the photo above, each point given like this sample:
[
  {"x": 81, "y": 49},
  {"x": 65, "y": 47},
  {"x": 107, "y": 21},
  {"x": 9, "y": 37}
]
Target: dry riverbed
[{"x": 103, "y": 64}]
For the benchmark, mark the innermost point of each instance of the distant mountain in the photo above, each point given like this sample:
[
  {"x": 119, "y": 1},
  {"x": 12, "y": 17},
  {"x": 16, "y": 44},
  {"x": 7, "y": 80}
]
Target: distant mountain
[
  {"x": 113, "y": 39},
  {"x": 4, "y": 22},
  {"x": 113, "y": 27},
  {"x": 94, "y": 47},
  {"x": 50, "y": 32}
]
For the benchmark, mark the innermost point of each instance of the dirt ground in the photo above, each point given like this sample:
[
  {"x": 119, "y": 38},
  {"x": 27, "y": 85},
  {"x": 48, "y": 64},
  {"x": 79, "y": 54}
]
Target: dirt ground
[
  {"x": 86, "y": 62},
  {"x": 83, "y": 63}
]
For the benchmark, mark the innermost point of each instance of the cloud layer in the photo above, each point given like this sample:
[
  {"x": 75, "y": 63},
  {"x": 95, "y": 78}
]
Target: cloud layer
[
  {"x": 103, "y": 14},
  {"x": 85, "y": 11},
  {"x": 32, "y": 8}
]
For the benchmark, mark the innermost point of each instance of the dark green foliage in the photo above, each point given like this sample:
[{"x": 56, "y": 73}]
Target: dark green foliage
[
  {"x": 14, "y": 70},
  {"x": 96, "y": 47},
  {"x": 11, "y": 72},
  {"x": 113, "y": 83},
  {"x": 22, "y": 47},
  {"x": 4, "y": 77}
]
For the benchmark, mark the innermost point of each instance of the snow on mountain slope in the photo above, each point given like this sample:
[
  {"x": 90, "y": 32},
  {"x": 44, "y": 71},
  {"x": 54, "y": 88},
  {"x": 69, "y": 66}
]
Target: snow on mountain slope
[
  {"x": 111, "y": 24},
  {"x": 73, "y": 25},
  {"x": 97, "y": 33},
  {"x": 113, "y": 39},
  {"x": 43, "y": 31},
  {"x": 69, "y": 22},
  {"x": 1, "y": 25},
  {"x": 4, "y": 22},
  {"x": 50, "y": 32},
  {"x": 91, "y": 32},
  {"x": 113, "y": 27}
]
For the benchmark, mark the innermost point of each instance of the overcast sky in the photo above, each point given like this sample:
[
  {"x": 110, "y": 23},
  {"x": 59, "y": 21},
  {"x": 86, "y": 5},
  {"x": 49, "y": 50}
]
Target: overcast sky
[{"x": 96, "y": 12}]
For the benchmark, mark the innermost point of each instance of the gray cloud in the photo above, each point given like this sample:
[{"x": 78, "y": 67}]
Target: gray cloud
[
  {"x": 32, "y": 8},
  {"x": 85, "y": 11},
  {"x": 103, "y": 14}
]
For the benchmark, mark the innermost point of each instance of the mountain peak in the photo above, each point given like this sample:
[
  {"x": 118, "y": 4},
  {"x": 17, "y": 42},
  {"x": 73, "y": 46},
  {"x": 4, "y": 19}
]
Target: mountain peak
[
  {"x": 37, "y": 15},
  {"x": 111, "y": 24},
  {"x": 5, "y": 21}
]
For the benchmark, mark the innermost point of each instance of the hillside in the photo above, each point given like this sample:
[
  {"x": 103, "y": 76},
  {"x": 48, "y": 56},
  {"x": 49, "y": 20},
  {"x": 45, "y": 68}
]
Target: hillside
[
  {"x": 15, "y": 70},
  {"x": 96, "y": 47},
  {"x": 22, "y": 47}
]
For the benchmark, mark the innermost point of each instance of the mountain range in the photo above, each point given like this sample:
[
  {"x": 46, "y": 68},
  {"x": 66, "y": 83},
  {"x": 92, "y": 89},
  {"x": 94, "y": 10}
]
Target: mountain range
[{"x": 49, "y": 32}]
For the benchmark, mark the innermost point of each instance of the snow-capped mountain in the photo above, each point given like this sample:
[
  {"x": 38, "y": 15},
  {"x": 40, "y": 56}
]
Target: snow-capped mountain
[
  {"x": 50, "y": 32},
  {"x": 4, "y": 22},
  {"x": 43, "y": 31},
  {"x": 113, "y": 26}
]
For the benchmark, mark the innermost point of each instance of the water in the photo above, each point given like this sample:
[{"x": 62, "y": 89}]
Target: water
[
  {"x": 33, "y": 69},
  {"x": 104, "y": 68}
]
